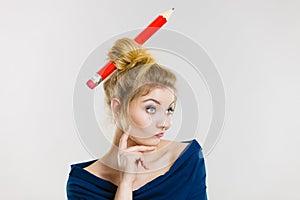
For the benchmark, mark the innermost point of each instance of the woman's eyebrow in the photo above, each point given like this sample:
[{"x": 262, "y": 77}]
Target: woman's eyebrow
[{"x": 155, "y": 101}]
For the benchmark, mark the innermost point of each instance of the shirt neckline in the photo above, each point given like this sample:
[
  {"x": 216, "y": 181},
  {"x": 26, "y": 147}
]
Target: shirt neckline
[{"x": 78, "y": 171}]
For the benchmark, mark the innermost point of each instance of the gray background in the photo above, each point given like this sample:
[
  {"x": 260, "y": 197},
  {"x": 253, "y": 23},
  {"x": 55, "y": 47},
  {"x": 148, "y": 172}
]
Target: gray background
[{"x": 254, "y": 44}]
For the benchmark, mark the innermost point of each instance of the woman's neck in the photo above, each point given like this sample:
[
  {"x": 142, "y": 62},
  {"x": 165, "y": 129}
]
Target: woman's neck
[{"x": 160, "y": 155}]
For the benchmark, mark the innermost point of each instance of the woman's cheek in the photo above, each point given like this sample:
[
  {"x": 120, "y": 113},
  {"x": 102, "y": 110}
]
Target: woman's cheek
[{"x": 141, "y": 119}]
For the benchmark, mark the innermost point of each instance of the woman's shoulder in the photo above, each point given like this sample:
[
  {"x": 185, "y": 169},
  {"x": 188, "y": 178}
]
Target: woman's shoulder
[
  {"x": 82, "y": 164},
  {"x": 181, "y": 150},
  {"x": 82, "y": 183},
  {"x": 183, "y": 145}
]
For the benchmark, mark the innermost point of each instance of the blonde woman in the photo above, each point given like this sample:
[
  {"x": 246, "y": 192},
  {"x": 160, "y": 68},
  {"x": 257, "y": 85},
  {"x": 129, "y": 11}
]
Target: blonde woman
[{"x": 140, "y": 164}]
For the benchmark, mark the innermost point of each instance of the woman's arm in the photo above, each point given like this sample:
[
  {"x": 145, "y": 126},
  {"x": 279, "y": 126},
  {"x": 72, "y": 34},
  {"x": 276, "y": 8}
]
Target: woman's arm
[
  {"x": 128, "y": 161},
  {"x": 124, "y": 191}
]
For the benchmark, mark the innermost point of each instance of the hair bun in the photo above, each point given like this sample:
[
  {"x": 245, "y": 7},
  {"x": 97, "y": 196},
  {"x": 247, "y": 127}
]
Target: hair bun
[{"x": 126, "y": 54}]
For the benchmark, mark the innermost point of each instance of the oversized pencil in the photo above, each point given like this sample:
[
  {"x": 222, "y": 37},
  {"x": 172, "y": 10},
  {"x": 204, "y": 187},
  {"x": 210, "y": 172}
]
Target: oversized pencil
[{"x": 140, "y": 39}]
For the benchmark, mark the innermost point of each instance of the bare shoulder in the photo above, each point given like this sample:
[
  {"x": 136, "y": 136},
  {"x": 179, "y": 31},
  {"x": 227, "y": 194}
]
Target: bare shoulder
[
  {"x": 175, "y": 144},
  {"x": 103, "y": 171},
  {"x": 175, "y": 147},
  {"x": 93, "y": 168}
]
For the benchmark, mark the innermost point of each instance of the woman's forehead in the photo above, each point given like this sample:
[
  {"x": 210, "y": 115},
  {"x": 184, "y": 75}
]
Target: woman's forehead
[{"x": 159, "y": 95}]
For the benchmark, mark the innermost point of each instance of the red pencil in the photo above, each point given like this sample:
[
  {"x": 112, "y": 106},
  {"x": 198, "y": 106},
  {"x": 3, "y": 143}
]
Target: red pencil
[{"x": 140, "y": 39}]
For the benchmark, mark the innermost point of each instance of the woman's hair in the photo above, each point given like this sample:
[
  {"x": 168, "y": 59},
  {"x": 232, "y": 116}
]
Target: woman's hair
[{"x": 137, "y": 74}]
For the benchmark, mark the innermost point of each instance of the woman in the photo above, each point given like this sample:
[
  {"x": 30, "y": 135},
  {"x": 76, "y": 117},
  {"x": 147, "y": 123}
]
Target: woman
[{"x": 141, "y": 96}]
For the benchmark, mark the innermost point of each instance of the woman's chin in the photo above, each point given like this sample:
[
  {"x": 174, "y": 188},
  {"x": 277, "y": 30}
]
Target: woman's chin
[{"x": 151, "y": 141}]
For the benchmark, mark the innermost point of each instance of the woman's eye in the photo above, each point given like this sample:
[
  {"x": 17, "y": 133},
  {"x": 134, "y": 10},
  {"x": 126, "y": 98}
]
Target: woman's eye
[
  {"x": 151, "y": 109},
  {"x": 171, "y": 110}
]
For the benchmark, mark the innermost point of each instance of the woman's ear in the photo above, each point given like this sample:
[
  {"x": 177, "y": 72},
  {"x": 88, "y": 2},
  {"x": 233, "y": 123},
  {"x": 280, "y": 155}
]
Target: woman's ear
[{"x": 115, "y": 105}]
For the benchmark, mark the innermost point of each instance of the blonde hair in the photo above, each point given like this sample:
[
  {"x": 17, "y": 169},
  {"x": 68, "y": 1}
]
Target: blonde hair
[{"x": 137, "y": 74}]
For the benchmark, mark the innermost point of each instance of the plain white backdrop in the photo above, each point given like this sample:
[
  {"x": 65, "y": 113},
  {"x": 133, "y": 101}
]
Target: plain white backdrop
[{"x": 254, "y": 44}]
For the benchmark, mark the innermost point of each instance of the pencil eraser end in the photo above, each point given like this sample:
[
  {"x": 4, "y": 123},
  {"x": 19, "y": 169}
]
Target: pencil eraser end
[{"x": 91, "y": 84}]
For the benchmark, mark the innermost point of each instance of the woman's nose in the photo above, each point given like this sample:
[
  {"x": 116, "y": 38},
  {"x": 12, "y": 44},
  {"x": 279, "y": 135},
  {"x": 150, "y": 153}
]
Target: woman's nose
[{"x": 165, "y": 123}]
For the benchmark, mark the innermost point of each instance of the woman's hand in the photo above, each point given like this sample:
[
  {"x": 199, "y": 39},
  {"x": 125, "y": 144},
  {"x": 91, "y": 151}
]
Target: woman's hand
[{"x": 129, "y": 159}]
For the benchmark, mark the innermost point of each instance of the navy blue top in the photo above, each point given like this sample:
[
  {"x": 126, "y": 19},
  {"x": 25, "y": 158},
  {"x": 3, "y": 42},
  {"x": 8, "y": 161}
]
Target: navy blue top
[{"x": 184, "y": 180}]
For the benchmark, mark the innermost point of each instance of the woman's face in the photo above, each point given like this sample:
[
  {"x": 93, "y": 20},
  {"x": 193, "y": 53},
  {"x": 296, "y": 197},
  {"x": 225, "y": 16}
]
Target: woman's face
[{"x": 150, "y": 115}]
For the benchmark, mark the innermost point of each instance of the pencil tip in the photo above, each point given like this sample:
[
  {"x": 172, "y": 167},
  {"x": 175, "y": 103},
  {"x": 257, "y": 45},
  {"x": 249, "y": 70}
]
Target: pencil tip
[{"x": 168, "y": 13}]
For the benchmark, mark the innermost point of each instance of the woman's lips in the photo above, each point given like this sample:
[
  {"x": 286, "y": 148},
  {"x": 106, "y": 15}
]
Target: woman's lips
[{"x": 159, "y": 134}]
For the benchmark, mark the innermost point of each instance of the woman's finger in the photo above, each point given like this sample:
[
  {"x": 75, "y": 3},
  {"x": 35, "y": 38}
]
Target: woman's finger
[
  {"x": 133, "y": 157},
  {"x": 143, "y": 163},
  {"x": 123, "y": 140}
]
